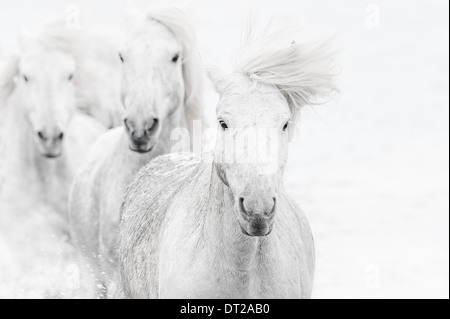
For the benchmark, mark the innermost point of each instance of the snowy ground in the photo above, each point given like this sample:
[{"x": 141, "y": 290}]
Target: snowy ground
[{"x": 371, "y": 169}]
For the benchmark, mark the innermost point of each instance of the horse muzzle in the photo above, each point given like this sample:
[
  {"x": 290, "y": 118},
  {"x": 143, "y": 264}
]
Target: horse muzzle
[
  {"x": 141, "y": 146},
  {"x": 50, "y": 145},
  {"x": 142, "y": 137},
  {"x": 254, "y": 223},
  {"x": 257, "y": 227}
]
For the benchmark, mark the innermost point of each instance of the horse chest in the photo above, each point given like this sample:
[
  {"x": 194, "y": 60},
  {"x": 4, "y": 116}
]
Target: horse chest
[
  {"x": 211, "y": 277},
  {"x": 56, "y": 189}
]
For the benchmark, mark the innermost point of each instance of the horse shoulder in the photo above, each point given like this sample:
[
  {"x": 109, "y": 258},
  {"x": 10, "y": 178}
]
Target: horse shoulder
[
  {"x": 144, "y": 212},
  {"x": 96, "y": 161},
  {"x": 84, "y": 194},
  {"x": 300, "y": 229}
]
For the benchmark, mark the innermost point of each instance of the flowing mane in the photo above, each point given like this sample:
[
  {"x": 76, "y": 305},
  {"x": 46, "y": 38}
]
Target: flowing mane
[
  {"x": 9, "y": 67},
  {"x": 303, "y": 72},
  {"x": 8, "y": 70},
  {"x": 176, "y": 19}
]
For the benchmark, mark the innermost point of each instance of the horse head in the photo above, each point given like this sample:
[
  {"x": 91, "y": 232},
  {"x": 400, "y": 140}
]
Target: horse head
[
  {"x": 257, "y": 115},
  {"x": 45, "y": 82},
  {"x": 152, "y": 80}
]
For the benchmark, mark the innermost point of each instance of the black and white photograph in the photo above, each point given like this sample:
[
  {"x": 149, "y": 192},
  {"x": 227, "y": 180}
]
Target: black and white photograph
[{"x": 203, "y": 151}]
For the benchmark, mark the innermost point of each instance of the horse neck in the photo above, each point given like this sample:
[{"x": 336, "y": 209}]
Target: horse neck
[{"x": 230, "y": 247}]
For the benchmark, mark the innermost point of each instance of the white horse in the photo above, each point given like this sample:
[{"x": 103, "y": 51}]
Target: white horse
[
  {"x": 161, "y": 90},
  {"x": 227, "y": 228},
  {"x": 39, "y": 92},
  {"x": 43, "y": 141}
]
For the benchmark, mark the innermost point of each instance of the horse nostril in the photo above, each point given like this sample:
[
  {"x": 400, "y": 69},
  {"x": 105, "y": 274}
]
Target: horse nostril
[
  {"x": 267, "y": 209},
  {"x": 241, "y": 205},
  {"x": 154, "y": 126},
  {"x": 41, "y": 136},
  {"x": 274, "y": 207},
  {"x": 128, "y": 126}
]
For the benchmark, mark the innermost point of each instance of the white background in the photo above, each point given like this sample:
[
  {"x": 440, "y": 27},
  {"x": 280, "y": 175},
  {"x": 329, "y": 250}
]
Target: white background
[{"x": 370, "y": 169}]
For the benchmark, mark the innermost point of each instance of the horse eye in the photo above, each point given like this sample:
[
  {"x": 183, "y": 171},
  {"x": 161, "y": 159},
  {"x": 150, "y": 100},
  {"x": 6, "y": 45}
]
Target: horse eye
[
  {"x": 121, "y": 58},
  {"x": 286, "y": 126},
  {"x": 25, "y": 78},
  {"x": 223, "y": 125},
  {"x": 176, "y": 58},
  {"x": 71, "y": 77}
]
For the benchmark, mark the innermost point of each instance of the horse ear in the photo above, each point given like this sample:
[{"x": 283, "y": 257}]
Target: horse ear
[
  {"x": 219, "y": 77},
  {"x": 25, "y": 37}
]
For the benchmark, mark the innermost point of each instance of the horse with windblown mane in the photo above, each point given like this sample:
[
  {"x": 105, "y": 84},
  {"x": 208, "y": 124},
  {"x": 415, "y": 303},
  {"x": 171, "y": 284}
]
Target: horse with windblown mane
[{"x": 228, "y": 228}]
